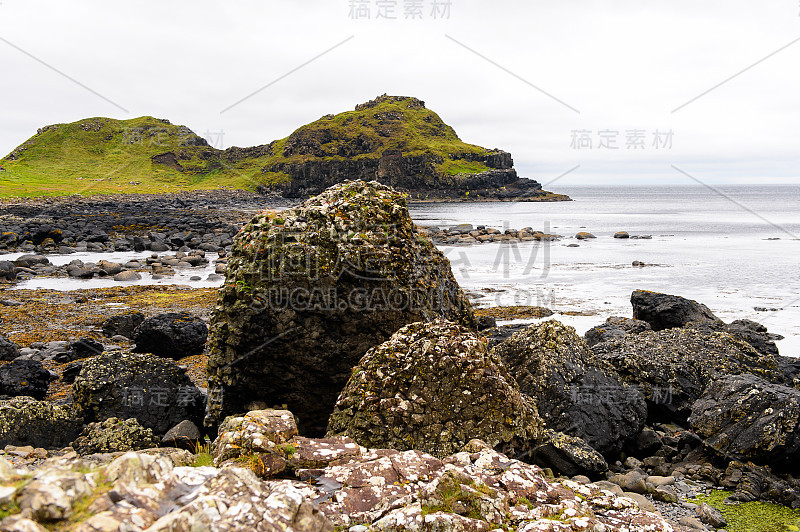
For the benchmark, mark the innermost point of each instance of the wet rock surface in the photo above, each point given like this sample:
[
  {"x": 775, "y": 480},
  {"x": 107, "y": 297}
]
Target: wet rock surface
[
  {"x": 672, "y": 367},
  {"x": 433, "y": 387},
  {"x": 24, "y": 377},
  {"x": 310, "y": 290},
  {"x": 615, "y": 327},
  {"x": 8, "y": 349},
  {"x": 123, "y": 324}
]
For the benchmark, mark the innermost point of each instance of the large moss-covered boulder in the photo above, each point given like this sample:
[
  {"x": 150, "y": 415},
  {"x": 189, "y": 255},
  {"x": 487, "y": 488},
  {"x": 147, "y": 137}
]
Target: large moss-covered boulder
[
  {"x": 155, "y": 391},
  {"x": 433, "y": 387},
  {"x": 25, "y": 421},
  {"x": 309, "y": 290},
  {"x": 575, "y": 391}
]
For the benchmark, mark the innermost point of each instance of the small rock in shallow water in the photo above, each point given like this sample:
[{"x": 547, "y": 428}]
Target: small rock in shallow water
[{"x": 128, "y": 275}]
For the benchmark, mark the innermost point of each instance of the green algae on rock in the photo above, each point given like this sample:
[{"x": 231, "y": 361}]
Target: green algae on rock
[
  {"x": 753, "y": 516},
  {"x": 309, "y": 291},
  {"x": 434, "y": 387}
]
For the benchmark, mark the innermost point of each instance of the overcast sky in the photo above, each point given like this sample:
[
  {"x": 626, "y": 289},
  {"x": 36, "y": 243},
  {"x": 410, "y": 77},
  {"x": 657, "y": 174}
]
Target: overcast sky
[{"x": 542, "y": 80}]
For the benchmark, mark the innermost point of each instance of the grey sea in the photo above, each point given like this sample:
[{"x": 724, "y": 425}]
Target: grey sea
[{"x": 734, "y": 248}]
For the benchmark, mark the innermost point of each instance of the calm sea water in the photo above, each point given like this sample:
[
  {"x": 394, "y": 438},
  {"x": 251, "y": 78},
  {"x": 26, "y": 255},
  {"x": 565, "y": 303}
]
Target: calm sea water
[{"x": 736, "y": 249}]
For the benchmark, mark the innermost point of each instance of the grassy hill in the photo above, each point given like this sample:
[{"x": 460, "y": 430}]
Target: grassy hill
[{"x": 146, "y": 154}]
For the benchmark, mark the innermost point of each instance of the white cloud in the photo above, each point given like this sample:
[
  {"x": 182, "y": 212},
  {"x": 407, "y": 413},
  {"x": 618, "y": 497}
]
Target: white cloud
[{"x": 623, "y": 64}]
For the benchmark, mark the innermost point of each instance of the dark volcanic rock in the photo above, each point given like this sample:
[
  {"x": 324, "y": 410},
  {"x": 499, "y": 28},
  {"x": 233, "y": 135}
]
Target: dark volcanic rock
[
  {"x": 83, "y": 348},
  {"x": 756, "y": 335},
  {"x": 154, "y": 390},
  {"x": 24, "y": 377},
  {"x": 184, "y": 435},
  {"x": 173, "y": 334},
  {"x": 747, "y": 418},
  {"x": 568, "y": 455},
  {"x": 434, "y": 387},
  {"x": 24, "y": 421},
  {"x": 664, "y": 311},
  {"x": 310, "y": 290},
  {"x": 123, "y": 324},
  {"x": 8, "y": 349},
  {"x": 575, "y": 392},
  {"x": 672, "y": 367},
  {"x": 615, "y": 327},
  {"x": 114, "y": 435}
]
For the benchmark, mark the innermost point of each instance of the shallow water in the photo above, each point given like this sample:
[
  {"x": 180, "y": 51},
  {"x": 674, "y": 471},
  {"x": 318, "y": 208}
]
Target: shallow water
[{"x": 182, "y": 275}]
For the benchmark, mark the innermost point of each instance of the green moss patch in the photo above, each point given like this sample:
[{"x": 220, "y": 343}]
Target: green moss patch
[{"x": 753, "y": 516}]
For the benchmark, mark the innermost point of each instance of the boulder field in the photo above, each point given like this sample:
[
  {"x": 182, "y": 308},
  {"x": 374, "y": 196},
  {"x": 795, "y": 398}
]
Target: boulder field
[{"x": 350, "y": 388}]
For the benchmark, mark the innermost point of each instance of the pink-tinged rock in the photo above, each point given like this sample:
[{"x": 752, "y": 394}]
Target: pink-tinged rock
[{"x": 315, "y": 453}]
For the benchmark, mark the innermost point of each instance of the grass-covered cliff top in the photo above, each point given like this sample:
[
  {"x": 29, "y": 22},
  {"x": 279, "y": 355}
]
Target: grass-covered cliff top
[{"x": 146, "y": 154}]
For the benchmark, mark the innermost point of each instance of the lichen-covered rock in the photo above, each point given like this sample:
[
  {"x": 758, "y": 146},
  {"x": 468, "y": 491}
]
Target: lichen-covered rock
[
  {"x": 475, "y": 489},
  {"x": 756, "y": 335},
  {"x": 747, "y": 418},
  {"x": 172, "y": 334},
  {"x": 664, "y": 311},
  {"x": 137, "y": 491},
  {"x": 575, "y": 392},
  {"x": 25, "y": 421},
  {"x": 434, "y": 387},
  {"x": 615, "y": 327},
  {"x": 309, "y": 290},
  {"x": 568, "y": 455},
  {"x": 257, "y": 431},
  {"x": 154, "y": 390},
  {"x": 672, "y": 367},
  {"x": 114, "y": 435},
  {"x": 24, "y": 377}
]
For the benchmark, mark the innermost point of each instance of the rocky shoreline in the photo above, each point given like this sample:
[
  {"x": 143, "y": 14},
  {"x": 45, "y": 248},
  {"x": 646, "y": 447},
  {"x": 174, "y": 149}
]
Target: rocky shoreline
[{"x": 159, "y": 408}]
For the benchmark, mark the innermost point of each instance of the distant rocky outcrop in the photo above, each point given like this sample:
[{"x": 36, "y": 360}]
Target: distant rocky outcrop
[
  {"x": 394, "y": 140},
  {"x": 309, "y": 290}
]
